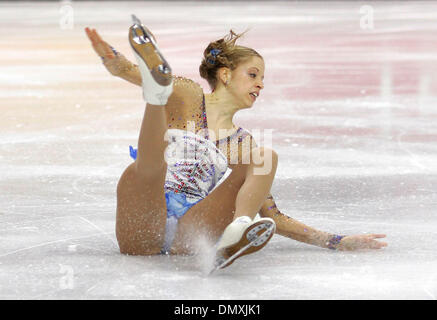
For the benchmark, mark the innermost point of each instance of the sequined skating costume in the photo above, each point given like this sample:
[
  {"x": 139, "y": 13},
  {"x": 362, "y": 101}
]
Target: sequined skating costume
[
  {"x": 195, "y": 164},
  {"x": 191, "y": 176}
]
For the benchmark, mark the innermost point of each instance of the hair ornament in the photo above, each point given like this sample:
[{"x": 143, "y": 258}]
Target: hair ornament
[{"x": 215, "y": 52}]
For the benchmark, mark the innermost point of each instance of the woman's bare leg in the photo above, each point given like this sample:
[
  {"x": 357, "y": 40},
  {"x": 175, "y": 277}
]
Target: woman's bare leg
[
  {"x": 157, "y": 84},
  {"x": 209, "y": 217},
  {"x": 141, "y": 212},
  {"x": 151, "y": 142},
  {"x": 141, "y": 208},
  {"x": 259, "y": 179},
  {"x": 242, "y": 193}
]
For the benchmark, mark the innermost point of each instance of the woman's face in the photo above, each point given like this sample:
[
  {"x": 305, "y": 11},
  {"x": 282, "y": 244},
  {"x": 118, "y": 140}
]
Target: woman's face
[{"x": 246, "y": 81}]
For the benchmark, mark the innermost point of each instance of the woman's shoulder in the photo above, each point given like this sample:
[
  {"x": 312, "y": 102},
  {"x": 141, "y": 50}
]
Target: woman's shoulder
[
  {"x": 185, "y": 105},
  {"x": 186, "y": 93},
  {"x": 180, "y": 81},
  {"x": 241, "y": 135},
  {"x": 244, "y": 133}
]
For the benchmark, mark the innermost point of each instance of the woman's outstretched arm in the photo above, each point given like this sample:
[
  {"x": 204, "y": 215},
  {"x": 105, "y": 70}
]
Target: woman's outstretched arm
[
  {"x": 114, "y": 61},
  {"x": 291, "y": 228}
]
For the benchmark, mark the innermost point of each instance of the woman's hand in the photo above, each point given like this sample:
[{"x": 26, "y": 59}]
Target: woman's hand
[
  {"x": 367, "y": 241},
  {"x": 102, "y": 48}
]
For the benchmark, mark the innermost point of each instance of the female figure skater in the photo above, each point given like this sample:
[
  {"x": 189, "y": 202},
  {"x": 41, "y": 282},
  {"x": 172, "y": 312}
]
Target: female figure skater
[{"x": 177, "y": 150}]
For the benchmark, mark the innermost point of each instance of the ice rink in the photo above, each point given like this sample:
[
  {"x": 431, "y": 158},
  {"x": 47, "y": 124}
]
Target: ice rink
[{"x": 350, "y": 91}]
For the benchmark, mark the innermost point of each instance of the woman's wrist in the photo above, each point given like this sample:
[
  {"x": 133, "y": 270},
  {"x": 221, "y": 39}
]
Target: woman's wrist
[{"x": 334, "y": 241}]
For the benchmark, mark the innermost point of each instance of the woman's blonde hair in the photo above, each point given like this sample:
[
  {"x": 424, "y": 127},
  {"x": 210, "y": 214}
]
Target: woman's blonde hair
[{"x": 224, "y": 53}]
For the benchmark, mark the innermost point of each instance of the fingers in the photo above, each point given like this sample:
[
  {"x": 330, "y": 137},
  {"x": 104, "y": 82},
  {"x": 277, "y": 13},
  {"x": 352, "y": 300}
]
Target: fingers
[
  {"x": 378, "y": 235},
  {"x": 374, "y": 244},
  {"x": 100, "y": 46},
  {"x": 96, "y": 35},
  {"x": 89, "y": 34},
  {"x": 377, "y": 245},
  {"x": 105, "y": 48},
  {"x": 363, "y": 242}
]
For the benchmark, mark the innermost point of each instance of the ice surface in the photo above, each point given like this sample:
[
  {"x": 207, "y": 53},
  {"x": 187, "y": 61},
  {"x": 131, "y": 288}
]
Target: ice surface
[{"x": 354, "y": 117}]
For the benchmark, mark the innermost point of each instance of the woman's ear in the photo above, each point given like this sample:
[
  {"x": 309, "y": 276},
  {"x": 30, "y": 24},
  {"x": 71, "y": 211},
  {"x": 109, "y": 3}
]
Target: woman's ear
[{"x": 224, "y": 75}]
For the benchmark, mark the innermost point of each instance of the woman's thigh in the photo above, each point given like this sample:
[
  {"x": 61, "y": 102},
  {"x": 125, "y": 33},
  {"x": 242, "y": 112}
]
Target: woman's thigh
[
  {"x": 210, "y": 216},
  {"x": 141, "y": 213}
]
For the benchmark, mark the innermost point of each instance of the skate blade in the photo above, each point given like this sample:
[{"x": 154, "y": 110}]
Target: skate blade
[
  {"x": 135, "y": 20},
  {"x": 254, "y": 239},
  {"x": 144, "y": 45}
]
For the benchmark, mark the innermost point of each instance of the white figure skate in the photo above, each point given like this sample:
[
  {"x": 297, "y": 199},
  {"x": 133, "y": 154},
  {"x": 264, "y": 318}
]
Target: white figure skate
[
  {"x": 156, "y": 73},
  {"x": 241, "y": 237}
]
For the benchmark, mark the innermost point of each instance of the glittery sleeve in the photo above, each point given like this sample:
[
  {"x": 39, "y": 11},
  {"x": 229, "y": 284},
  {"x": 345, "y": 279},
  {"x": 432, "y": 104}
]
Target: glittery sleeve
[
  {"x": 285, "y": 225},
  {"x": 185, "y": 106},
  {"x": 123, "y": 68},
  {"x": 269, "y": 209},
  {"x": 291, "y": 228}
]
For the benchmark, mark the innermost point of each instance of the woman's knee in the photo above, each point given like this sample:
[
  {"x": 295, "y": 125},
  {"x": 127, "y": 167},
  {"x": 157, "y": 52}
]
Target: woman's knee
[
  {"x": 264, "y": 160},
  {"x": 264, "y": 154}
]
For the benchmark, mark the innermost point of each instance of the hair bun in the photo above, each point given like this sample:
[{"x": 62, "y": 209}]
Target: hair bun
[{"x": 223, "y": 53}]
